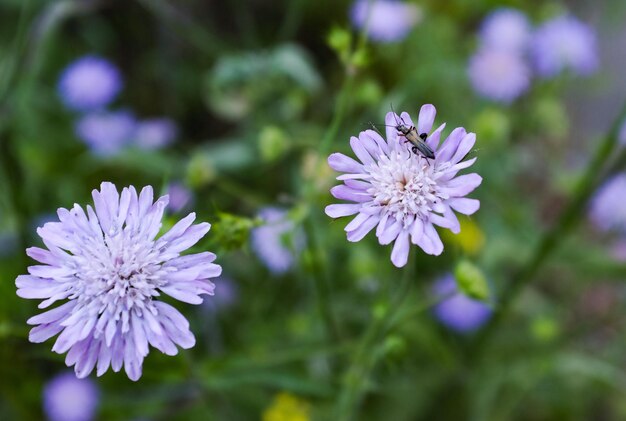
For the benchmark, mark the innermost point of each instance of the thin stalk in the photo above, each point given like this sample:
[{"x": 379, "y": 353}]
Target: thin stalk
[
  {"x": 550, "y": 241},
  {"x": 370, "y": 350}
]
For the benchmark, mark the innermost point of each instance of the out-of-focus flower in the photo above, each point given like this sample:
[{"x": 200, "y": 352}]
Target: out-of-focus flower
[
  {"x": 226, "y": 294},
  {"x": 458, "y": 312},
  {"x": 106, "y": 133},
  {"x": 89, "y": 83},
  {"x": 180, "y": 196},
  {"x": 471, "y": 239},
  {"x": 110, "y": 266},
  {"x": 608, "y": 207},
  {"x": 506, "y": 29},
  {"x": 401, "y": 193},
  {"x": 287, "y": 407},
  {"x": 276, "y": 240},
  {"x": 66, "y": 398},
  {"x": 386, "y": 20},
  {"x": 564, "y": 43},
  {"x": 499, "y": 75},
  {"x": 154, "y": 133}
]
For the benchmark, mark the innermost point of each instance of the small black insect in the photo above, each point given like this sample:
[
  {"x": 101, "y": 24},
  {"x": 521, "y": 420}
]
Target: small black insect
[{"x": 411, "y": 136}]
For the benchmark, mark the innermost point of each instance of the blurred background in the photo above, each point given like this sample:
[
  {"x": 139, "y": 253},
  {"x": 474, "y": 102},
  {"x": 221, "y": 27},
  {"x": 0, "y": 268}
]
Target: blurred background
[{"x": 224, "y": 106}]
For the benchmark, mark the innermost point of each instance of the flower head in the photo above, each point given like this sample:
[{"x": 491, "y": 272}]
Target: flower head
[
  {"x": 457, "y": 311},
  {"x": 226, "y": 295},
  {"x": 276, "y": 240},
  {"x": 506, "y": 29},
  {"x": 403, "y": 194},
  {"x": 89, "y": 83},
  {"x": 386, "y": 20},
  {"x": 155, "y": 133},
  {"x": 106, "y": 133},
  {"x": 499, "y": 75},
  {"x": 608, "y": 207},
  {"x": 111, "y": 267},
  {"x": 66, "y": 398},
  {"x": 564, "y": 43},
  {"x": 180, "y": 196}
]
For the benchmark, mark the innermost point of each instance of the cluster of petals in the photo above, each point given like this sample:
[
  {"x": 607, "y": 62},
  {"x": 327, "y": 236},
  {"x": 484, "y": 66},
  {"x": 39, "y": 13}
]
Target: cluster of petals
[
  {"x": 108, "y": 267},
  {"x": 402, "y": 194}
]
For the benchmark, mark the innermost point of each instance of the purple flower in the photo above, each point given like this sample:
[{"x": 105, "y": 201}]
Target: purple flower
[
  {"x": 498, "y": 75},
  {"x": 608, "y": 207},
  {"x": 226, "y": 294},
  {"x": 106, "y": 133},
  {"x": 386, "y": 20},
  {"x": 506, "y": 29},
  {"x": 89, "y": 83},
  {"x": 155, "y": 133},
  {"x": 66, "y": 398},
  {"x": 564, "y": 43},
  {"x": 180, "y": 196},
  {"x": 110, "y": 267},
  {"x": 276, "y": 240},
  {"x": 458, "y": 312},
  {"x": 403, "y": 194}
]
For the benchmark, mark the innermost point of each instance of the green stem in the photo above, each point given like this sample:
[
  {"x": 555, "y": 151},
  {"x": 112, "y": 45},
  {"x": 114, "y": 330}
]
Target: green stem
[
  {"x": 320, "y": 280},
  {"x": 370, "y": 350},
  {"x": 550, "y": 241}
]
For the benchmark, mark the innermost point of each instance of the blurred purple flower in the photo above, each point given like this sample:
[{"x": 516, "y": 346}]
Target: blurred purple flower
[
  {"x": 276, "y": 240},
  {"x": 608, "y": 208},
  {"x": 564, "y": 43},
  {"x": 403, "y": 194},
  {"x": 386, "y": 20},
  {"x": 499, "y": 75},
  {"x": 66, "y": 398},
  {"x": 89, "y": 83},
  {"x": 506, "y": 29},
  {"x": 459, "y": 312},
  {"x": 180, "y": 196},
  {"x": 110, "y": 266},
  {"x": 106, "y": 133},
  {"x": 155, "y": 133},
  {"x": 226, "y": 294}
]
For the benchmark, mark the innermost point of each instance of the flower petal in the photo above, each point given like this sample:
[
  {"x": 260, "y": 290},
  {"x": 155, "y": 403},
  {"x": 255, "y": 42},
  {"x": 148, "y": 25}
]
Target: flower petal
[{"x": 426, "y": 118}]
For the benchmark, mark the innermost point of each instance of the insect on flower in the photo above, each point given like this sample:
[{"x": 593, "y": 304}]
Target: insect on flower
[{"x": 412, "y": 136}]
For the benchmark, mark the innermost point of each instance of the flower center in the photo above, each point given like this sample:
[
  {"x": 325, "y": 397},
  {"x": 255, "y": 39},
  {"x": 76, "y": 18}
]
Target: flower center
[
  {"x": 118, "y": 275},
  {"x": 405, "y": 185}
]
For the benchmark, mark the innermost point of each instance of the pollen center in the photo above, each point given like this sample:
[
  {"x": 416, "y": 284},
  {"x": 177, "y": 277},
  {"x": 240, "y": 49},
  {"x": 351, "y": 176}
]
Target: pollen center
[{"x": 405, "y": 185}]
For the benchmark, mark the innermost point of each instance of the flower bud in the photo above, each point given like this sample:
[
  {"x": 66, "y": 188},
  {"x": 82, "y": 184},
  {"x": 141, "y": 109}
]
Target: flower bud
[{"x": 471, "y": 280}]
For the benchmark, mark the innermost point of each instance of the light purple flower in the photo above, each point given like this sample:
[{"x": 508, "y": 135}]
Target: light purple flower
[
  {"x": 155, "y": 133},
  {"x": 387, "y": 20},
  {"x": 564, "y": 43},
  {"x": 226, "y": 294},
  {"x": 110, "y": 267},
  {"x": 276, "y": 240},
  {"x": 506, "y": 29},
  {"x": 66, "y": 398},
  {"x": 608, "y": 208},
  {"x": 499, "y": 75},
  {"x": 89, "y": 83},
  {"x": 458, "y": 312},
  {"x": 403, "y": 194},
  {"x": 106, "y": 133},
  {"x": 180, "y": 196}
]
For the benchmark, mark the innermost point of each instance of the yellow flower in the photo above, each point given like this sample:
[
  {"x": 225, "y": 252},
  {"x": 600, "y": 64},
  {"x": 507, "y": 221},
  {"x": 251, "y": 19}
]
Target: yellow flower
[
  {"x": 471, "y": 238},
  {"x": 287, "y": 407}
]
